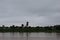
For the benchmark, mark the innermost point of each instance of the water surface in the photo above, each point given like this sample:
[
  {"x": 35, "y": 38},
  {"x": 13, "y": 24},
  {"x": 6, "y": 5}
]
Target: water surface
[{"x": 30, "y": 36}]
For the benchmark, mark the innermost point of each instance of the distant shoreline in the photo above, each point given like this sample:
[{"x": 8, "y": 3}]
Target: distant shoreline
[{"x": 13, "y": 28}]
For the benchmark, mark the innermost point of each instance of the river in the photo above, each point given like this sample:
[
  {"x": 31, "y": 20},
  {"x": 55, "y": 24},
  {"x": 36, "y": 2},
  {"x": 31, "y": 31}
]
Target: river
[{"x": 30, "y": 36}]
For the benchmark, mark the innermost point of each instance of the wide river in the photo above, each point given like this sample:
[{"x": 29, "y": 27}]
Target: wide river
[{"x": 30, "y": 36}]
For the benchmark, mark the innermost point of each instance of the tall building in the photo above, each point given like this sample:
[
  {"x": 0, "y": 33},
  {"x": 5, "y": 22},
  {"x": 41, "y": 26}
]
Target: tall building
[{"x": 27, "y": 24}]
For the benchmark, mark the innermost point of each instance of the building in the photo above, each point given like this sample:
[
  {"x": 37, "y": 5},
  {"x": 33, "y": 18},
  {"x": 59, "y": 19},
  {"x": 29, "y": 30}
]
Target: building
[{"x": 27, "y": 24}]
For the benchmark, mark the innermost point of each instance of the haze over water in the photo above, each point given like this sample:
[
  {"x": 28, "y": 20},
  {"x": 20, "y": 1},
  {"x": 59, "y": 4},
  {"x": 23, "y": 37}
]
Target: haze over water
[{"x": 30, "y": 36}]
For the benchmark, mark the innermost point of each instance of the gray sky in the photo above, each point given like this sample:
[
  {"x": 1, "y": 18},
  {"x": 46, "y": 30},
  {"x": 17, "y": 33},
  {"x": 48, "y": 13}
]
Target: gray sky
[{"x": 37, "y": 12}]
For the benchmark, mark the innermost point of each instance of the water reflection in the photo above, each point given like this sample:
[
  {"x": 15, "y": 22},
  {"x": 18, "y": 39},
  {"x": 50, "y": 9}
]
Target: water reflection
[
  {"x": 58, "y": 36},
  {"x": 29, "y": 36},
  {"x": 21, "y": 36}
]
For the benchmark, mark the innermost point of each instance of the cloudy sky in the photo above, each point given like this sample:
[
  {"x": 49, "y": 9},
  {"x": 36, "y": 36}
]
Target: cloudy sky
[{"x": 37, "y": 12}]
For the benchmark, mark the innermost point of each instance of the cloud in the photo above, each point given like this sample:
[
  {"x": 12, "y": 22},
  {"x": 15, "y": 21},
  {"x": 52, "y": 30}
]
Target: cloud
[{"x": 37, "y": 12}]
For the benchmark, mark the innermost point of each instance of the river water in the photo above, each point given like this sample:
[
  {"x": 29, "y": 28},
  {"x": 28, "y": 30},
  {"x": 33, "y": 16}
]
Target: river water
[{"x": 30, "y": 36}]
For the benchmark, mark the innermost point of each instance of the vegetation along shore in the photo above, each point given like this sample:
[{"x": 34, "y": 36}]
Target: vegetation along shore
[{"x": 27, "y": 28}]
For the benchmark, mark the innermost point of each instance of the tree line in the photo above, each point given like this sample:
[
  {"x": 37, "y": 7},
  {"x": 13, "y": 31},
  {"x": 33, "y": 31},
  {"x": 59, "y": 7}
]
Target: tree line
[{"x": 22, "y": 28}]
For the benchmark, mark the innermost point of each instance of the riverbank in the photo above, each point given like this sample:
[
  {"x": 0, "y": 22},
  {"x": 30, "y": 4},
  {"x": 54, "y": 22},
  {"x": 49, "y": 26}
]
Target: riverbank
[
  {"x": 13, "y": 28},
  {"x": 28, "y": 30}
]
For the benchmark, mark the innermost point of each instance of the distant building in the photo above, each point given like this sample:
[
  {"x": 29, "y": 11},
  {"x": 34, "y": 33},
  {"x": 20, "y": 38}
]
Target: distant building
[
  {"x": 22, "y": 25},
  {"x": 27, "y": 24}
]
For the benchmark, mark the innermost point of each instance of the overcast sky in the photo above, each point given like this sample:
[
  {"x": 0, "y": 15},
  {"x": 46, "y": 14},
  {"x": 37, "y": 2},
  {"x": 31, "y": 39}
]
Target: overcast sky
[{"x": 37, "y": 12}]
